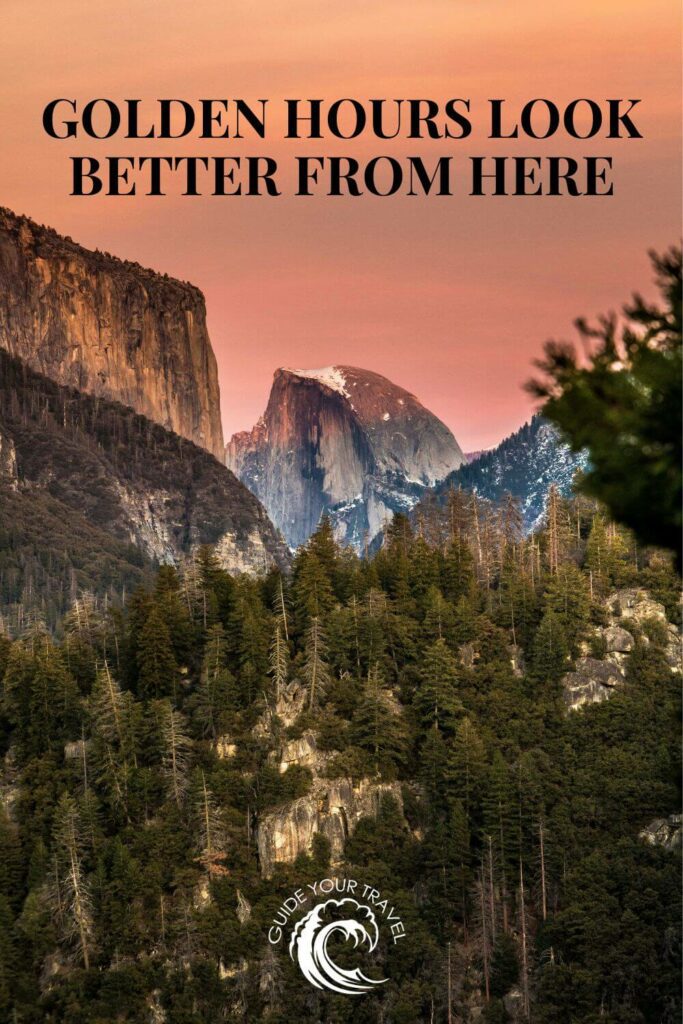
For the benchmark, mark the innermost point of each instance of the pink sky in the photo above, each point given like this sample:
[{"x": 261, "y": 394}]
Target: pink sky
[{"x": 450, "y": 297}]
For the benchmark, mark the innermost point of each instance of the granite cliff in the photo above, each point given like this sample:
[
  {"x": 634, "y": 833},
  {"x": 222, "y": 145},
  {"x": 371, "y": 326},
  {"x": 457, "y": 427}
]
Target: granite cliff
[
  {"x": 110, "y": 328},
  {"x": 343, "y": 441}
]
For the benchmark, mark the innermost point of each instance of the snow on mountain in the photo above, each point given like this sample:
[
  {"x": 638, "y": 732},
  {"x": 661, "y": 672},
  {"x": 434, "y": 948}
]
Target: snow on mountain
[
  {"x": 525, "y": 465},
  {"x": 331, "y": 376}
]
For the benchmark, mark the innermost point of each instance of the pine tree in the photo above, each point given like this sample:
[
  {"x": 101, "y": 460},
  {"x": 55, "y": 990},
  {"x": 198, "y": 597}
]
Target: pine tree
[
  {"x": 315, "y": 670},
  {"x": 211, "y": 831},
  {"x": 467, "y": 768},
  {"x": 458, "y": 569},
  {"x": 311, "y": 589},
  {"x": 176, "y": 747},
  {"x": 372, "y": 629},
  {"x": 54, "y": 699},
  {"x": 568, "y": 596},
  {"x": 157, "y": 667},
  {"x": 433, "y": 769},
  {"x": 439, "y": 617},
  {"x": 215, "y": 696},
  {"x": 250, "y": 635},
  {"x": 323, "y": 547},
  {"x": 499, "y": 825},
  {"x": 378, "y": 728},
  {"x": 622, "y": 404},
  {"x": 550, "y": 653},
  {"x": 71, "y": 894},
  {"x": 436, "y": 698},
  {"x": 279, "y": 660}
]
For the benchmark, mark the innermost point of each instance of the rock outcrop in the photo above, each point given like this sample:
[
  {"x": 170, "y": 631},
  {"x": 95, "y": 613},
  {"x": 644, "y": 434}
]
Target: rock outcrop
[
  {"x": 94, "y": 493},
  {"x": 665, "y": 832},
  {"x": 594, "y": 680},
  {"x": 343, "y": 441},
  {"x": 109, "y": 328},
  {"x": 303, "y": 752},
  {"x": 332, "y": 809}
]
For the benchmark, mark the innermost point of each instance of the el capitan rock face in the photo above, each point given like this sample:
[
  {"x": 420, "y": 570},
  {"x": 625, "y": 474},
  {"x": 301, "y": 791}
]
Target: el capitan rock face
[
  {"x": 110, "y": 328},
  {"x": 343, "y": 441}
]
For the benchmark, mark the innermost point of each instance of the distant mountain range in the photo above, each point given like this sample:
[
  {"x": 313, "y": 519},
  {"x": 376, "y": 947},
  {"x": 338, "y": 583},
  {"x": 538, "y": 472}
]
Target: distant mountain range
[
  {"x": 93, "y": 492},
  {"x": 349, "y": 443},
  {"x": 525, "y": 465}
]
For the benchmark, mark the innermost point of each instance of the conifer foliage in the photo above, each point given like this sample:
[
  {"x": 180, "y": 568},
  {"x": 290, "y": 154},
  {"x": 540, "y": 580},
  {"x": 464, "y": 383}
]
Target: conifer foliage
[{"x": 143, "y": 749}]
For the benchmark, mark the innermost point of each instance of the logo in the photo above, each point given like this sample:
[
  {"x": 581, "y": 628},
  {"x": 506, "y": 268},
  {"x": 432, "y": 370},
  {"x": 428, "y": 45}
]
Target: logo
[
  {"x": 352, "y": 921},
  {"x": 309, "y": 943}
]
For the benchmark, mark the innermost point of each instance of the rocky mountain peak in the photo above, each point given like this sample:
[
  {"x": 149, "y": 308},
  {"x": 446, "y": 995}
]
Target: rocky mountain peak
[{"x": 341, "y": 440}]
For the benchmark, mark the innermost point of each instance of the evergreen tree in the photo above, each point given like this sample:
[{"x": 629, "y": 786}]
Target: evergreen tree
[
  {"x": 377, "y": 728},
  {"x": 467, "y": 769},
  {"x": 215, "y": 697},
  {"x": 176, "y": 748},
  {"x": 279, "y": 660},
  {"x": 436, "y": 698},
  {"x": 315, "y": 670},
  {"x": 72, "y": 900},
  {"x": 624, "y": 407},
  {"x": 550, "y": 654},
  {"x": 311, "y": 588},
  {"x": 157, "y": 666}
]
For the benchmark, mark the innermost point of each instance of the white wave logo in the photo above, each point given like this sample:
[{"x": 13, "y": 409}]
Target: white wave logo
[{"x": 310, "y": 940}]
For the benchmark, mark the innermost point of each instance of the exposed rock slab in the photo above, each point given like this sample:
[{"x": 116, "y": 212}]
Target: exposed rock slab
[
  {"x": 302, "y": 752},
  {"x": 666, "y": 832},
  {"x": 591, "y": 682},
  {"x": 635, "y": 604},
  {"x": 618, "y": 640},
  {"x": 332, "y": 809},
  {"x": 594, "y": 680}
]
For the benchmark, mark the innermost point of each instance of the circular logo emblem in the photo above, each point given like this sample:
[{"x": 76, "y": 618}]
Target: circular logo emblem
[
  {"x": 311, "y": 937},
  {"x": 343, "y": 923}
]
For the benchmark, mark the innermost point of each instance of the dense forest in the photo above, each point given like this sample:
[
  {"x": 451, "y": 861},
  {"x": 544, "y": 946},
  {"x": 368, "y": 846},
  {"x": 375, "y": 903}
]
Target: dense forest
[{"x": 141, "y": 756}]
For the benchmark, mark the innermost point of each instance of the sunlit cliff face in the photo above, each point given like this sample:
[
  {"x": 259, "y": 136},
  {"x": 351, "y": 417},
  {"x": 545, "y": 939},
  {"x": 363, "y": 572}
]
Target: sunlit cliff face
[{"x": 344, "y": 441}]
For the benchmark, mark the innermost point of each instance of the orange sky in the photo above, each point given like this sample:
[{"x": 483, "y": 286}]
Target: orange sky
[{"x": 449, "y": 297}]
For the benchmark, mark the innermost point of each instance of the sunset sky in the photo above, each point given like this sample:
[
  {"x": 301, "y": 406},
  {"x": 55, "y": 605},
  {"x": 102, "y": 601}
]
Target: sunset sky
[{"x": 451, "y": 297}]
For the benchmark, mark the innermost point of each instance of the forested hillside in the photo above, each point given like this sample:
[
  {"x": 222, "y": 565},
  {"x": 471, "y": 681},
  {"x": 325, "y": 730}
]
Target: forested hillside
[
  {"x": 152, "y": 755},
  {"x": 93, "y": 494}
]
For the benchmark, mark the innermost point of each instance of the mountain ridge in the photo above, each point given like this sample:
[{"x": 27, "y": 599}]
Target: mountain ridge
[
  {"x": 135, "y": 493},
  {"x": 524, "y": 464}
]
